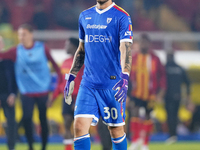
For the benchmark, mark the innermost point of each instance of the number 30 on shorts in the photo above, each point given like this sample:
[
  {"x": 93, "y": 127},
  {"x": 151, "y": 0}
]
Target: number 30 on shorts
[{"x": 110, "y": 112}]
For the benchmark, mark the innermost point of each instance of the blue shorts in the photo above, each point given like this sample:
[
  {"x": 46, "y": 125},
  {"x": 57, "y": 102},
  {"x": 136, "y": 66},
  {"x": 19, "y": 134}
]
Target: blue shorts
[{"x": 93, "y": 103}]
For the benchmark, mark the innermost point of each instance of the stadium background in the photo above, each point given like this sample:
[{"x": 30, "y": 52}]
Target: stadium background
[{"x": 170, "y": 24}]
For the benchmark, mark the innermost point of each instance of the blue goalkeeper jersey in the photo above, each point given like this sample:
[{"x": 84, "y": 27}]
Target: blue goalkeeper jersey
[{"x": 102, "y": 31}]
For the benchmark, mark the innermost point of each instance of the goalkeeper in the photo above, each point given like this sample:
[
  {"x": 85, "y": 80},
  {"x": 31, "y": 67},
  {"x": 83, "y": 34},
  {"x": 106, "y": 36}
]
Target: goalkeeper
[{"x": 104, "y": 48}]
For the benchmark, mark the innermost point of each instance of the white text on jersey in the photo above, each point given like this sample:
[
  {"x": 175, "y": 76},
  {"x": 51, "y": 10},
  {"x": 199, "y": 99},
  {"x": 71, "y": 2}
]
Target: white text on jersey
[
  {"x": 98, "y": 38},
  {"x": 94, "y": 26}
]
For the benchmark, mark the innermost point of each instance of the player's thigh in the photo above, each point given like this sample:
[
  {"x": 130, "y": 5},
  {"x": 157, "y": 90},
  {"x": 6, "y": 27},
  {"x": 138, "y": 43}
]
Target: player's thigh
[
  {"x": 27, "y": 106},
  {"x": 86, "y": 105},
  {"x": 68, "y": 109},
  {"x": 68, "y": 120},
  {"x": 112, "y": 112},
  {"x": 82, "y": 126},
  {"x": 42, "y": 105}
]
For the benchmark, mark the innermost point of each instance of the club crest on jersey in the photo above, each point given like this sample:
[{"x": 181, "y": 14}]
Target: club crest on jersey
[{"x": 109, "y": 20}]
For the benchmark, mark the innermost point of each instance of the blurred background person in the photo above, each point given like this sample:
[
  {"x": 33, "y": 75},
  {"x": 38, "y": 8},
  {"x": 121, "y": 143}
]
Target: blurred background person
[
  {"x": 71, "y": 46},
  {"x": 33, "y": 79},
  {"x": 8, "y": 92},
  {"x": 176, "y": 76},
  {"x": 195, "y": 121},
  {"x": 64, "y": 13},
  {"x": 4, "y": 13},
  {"x": 104, "y": 135},
  {"x": 40, "y": 17},
  {"x": 148, "y": 84}
]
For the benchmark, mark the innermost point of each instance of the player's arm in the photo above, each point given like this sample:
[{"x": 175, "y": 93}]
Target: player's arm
[
  {"x": 76, "y": 66},
  {"x": 78, "y": 62},
  {"x": 125, "y": 34},
  {"x": 9, "y": 55},
  {"x": 126, "y": 58},
  {"x": 55, "y": 66},
  {"x": 126, "y": 61},
  {"x": 78, "y": 59},
  {"x": 12, "y": 86}
]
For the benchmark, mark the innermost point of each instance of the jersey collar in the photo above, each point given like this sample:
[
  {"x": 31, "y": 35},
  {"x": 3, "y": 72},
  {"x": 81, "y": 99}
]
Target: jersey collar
[{"x": 106, "y": 9}]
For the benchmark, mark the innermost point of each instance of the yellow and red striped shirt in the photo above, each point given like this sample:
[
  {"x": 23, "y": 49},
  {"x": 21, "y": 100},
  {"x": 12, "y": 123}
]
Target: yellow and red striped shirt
[{"x": 147, "y": 76}]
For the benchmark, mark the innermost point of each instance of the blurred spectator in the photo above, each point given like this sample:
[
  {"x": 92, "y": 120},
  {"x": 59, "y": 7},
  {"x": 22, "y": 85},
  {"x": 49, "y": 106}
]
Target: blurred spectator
[
  {"x": 40, "y": 17},
  {"x": 149, "y": 4},
  {"x": 8, "y": 92},
  {"x": 65, "y": 14},
  {"x": 33, "y": 79},
  {"x": 4, "y": 13},
  {"x": 148, "y": 84},
  {"x": 176, "y": 76},
  {"x": 21, "y": 2},
  {"x": 128, "y": 5},
  {"x": 196, "y": 22},
  {"x": 104, "y": 135},
  {"x": 195, "y": 123}
]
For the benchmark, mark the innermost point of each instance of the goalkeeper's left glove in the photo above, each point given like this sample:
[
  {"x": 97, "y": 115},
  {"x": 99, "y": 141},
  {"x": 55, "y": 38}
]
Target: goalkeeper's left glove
[
  {"x": 122, "y": 87},
  {"x": 69, "y": 88}
]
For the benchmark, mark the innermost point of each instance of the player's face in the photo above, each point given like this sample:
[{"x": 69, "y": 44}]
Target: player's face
[
  {"x": 170, "y": 57},
  {"x": 101, "y": 2},
  {"x": 25, "y": 36},
  {"x": 70, "y": 48},
  {"x": 144, "y": 45}
]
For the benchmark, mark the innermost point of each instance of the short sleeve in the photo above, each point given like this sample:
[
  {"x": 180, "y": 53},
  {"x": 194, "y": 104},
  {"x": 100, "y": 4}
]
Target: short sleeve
[
  {"x": 81, "y": 30},
  {"x": 126, "y": 34}
]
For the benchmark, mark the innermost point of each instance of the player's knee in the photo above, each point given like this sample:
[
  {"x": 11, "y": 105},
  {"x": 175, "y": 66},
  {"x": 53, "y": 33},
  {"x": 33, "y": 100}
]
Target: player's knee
[
  {"x": 79, "y": 128},
  {"x": 116, "y": 132}
]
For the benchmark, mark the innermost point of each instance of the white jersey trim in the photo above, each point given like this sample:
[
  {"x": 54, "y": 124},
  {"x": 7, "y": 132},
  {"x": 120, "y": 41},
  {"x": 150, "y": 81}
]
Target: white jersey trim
[
  {"x": 106, "y": 9},
  {"x": 114, "y": 124},
  {"x": 88, "y": 116},
  {"x": 81, "y": 40},
  {"x": 126, "y": 40}
]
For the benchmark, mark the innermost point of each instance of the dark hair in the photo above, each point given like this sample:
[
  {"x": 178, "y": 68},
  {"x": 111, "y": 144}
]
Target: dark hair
[
  {"x": 27, "y": 27},
  {"x": 74, "y": 41},
  {"x": 145, "y": 36}
]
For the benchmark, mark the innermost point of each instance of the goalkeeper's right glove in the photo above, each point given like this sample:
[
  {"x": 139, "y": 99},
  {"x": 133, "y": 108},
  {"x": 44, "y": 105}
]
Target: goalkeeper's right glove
[{"x": 69, "y": 88}]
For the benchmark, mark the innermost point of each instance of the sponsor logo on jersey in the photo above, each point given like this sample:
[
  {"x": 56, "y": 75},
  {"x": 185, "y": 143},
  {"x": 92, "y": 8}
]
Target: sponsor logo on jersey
[
  {"x": 88, "y": 18},
  {"x": 95, "y": 26},
  {"x": 98, "y": 38},
  {"x": 128, "y": 33},
  {"x": 109, "y": 20}
]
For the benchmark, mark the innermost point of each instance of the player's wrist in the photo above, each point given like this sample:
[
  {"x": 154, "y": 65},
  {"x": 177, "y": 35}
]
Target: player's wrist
[
  {"x": 124, "y": 75},
  {"x": 70, "y": 77}
]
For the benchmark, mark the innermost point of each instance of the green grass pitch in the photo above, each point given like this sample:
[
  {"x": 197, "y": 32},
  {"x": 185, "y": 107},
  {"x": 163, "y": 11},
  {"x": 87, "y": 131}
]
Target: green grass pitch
[{"x": 153, "y": 146}]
